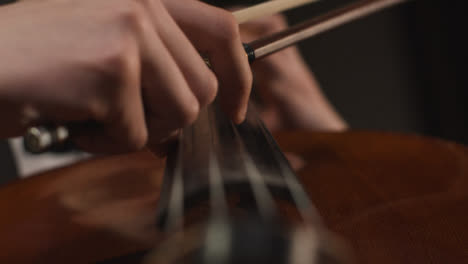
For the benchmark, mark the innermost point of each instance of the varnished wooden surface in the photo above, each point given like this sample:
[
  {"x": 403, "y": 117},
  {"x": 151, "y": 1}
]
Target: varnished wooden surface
[
  {"x": 394, "y": 198},
  {"x": 81, "y": 214}
]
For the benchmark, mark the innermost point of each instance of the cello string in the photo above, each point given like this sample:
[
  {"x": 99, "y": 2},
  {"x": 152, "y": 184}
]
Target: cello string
[
  {"x": 262, "y": 195},
  {"x": 175, "y": 217},
  {"x": 218, "y": 196},
  {"x": 302, "y": 201}
]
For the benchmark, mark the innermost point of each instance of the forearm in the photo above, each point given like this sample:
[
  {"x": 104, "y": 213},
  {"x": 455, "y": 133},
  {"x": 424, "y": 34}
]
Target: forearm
[{"x": 302, "y": 103}]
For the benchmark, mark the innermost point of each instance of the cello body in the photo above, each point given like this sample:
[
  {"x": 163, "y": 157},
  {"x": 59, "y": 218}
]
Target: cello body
[{"x": 394, "y": 198}]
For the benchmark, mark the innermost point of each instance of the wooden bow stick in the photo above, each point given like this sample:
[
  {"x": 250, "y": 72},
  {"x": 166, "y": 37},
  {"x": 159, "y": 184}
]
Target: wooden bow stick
[{"x": 356, "y": 10}]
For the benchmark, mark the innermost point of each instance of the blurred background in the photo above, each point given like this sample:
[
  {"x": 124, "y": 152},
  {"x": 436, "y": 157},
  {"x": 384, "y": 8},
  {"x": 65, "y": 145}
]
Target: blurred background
[{"x": 398, "y": 70}]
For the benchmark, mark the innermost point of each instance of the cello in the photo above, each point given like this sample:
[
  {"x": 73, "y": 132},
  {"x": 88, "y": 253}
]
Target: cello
[
  {"x": 394, "y": 198},
  {"x": 384, "y": 193}
]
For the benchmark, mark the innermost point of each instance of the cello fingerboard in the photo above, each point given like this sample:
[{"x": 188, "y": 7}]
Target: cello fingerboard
[
  {"x": 217, "y": 163},
  {"x": 231, "y": 181}
]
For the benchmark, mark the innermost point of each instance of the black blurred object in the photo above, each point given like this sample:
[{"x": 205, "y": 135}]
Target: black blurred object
[
  {"x": 3, "y": 2},
  {"x": 7, "y": 164},
  {"x": 441, "y": 53}
]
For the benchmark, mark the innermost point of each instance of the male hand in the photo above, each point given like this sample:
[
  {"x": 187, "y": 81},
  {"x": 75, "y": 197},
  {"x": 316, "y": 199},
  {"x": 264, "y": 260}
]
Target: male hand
[
  {"x": 292, "y": 98},
  {"x": 132, "y": 68}
]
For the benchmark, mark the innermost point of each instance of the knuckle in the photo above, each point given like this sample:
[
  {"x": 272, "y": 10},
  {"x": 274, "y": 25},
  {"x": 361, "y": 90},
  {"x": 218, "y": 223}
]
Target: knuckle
[
  {"x": 150, "y": 4},
  {"x": 116, "y": 67},
  {"x": 145, "y": 2},
  {"x": 98, "y": 109},
  {"x": 137, "y": 138},
  {"x": 117, "y": 60},
  {"x": 129, "y": 128},
  {"x": 115, "y": 46},
  {"x": 209, "y": 88},
  {"x": 130, "y": 14},
  {"x": 188, "y": 113},
  {"x": 228, "y": 27}
]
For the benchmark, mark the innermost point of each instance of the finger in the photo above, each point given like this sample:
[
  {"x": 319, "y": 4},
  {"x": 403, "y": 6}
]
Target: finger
[
  {"x": 272, "y": 68},
  {"x": 198, "y": 76},
  {"x": 169, "y": 102},
  {"x": 215, "y": 33},
  {"x": 122, "y": 128},
  {"x": 261, "y": 27}
]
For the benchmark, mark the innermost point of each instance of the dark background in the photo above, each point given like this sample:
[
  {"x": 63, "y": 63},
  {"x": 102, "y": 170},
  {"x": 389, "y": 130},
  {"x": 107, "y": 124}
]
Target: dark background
[
  {"x": 399, "y": 70},
  {"x": 402, "y": 69}
]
